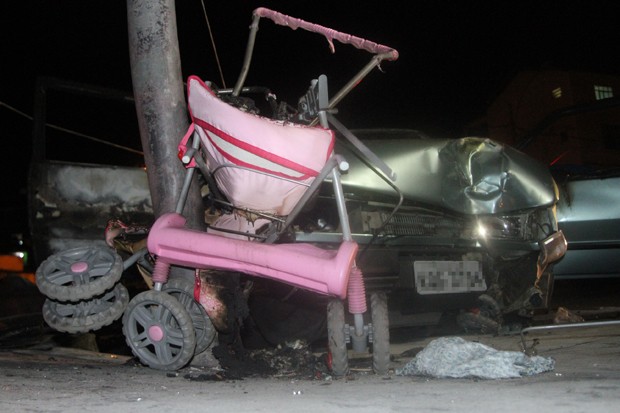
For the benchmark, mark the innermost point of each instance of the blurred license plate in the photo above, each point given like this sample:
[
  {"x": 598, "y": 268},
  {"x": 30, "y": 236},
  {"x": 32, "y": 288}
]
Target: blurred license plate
[{"x": 445, "y": 277}]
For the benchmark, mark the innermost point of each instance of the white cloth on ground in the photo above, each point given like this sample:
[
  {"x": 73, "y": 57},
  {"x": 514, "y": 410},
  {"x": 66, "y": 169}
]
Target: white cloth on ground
[{"x": 454, "y": 357}]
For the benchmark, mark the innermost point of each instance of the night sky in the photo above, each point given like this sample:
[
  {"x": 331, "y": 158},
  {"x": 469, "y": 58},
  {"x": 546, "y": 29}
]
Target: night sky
[{"x": 454, "y": 55}]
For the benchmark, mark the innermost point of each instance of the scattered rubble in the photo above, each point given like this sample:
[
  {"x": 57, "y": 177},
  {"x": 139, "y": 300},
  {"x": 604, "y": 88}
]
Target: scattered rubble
[
  {"x": 564, "y": 316},
  {"x": 291, "y": 360}
]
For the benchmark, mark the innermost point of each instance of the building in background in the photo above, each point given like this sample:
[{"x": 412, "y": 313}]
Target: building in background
[{"x": 559, "y": 117}]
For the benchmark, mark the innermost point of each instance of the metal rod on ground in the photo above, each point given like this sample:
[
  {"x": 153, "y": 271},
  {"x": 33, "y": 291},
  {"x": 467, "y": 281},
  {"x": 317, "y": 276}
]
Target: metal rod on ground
[{"x": 563, "y": 326}]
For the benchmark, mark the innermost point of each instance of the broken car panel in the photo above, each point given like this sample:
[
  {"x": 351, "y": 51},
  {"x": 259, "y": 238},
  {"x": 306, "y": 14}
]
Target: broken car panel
[
  {"x": 477, "y": 219},
  {"x": 468, "y": 175}
]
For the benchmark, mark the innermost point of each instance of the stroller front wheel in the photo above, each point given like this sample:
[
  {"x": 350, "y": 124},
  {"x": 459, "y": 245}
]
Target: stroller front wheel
[
  {"x": 380, "y": 333},
  {"x": 159, "y": 330},
  {"x": 336, "y": 339}
]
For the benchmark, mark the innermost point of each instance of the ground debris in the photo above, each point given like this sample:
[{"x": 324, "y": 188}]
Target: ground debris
[
  {"x": 206, "y": 377},
  {"x": 565, "y": 316},
  {"x": 290, "y": 360}
]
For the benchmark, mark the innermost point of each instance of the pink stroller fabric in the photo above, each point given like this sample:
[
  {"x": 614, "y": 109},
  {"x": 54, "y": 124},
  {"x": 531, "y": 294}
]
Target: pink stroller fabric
[
  {"x": 235, "y": 138},
  {"x": 238, "y": 223}
]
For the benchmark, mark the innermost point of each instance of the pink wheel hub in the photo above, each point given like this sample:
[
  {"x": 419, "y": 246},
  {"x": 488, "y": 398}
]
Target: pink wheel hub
[
  {"x": 156, "y": 333},
  {"x": 79, "y": 267}
]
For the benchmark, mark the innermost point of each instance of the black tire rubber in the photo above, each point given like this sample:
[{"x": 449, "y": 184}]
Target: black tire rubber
[
  {"x": 336, "y": 339},
  {"x": 158, "y": 309},
  {"x": 57, "y": 281},
  {"x": 183, "y": 290},
  {"x": 380, "y": 333},
  {"x": 86, "y": 315}
]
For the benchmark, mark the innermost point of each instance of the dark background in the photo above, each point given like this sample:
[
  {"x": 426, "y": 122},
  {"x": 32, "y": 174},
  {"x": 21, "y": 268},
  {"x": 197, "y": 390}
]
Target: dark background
[{"x": 454, "y": 57}]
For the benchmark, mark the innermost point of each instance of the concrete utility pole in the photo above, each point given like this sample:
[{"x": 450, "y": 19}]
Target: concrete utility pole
[{"x": 160, "y": 103}]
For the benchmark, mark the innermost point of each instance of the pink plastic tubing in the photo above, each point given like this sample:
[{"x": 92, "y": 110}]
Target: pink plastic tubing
[{"x": 330, "y": 34}]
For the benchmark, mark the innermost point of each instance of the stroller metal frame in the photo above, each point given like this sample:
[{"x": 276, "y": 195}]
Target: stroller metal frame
[{"x": 163, "y": 329}]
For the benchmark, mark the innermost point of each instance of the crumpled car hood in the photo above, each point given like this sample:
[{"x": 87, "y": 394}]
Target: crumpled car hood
[{"x": 467, "y": 175}]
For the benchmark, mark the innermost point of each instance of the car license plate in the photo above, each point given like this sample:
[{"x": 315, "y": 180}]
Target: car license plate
[{"x": 445, "y": 277}]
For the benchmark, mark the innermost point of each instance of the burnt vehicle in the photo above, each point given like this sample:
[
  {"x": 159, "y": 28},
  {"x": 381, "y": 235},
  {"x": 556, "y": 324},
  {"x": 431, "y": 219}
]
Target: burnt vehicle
[
  {"x": 83, "y": 173},
  {"x": 472, "y": 227}
]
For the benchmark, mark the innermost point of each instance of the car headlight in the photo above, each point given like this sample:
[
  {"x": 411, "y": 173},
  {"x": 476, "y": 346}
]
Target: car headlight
[{"x": 511, "y": 227}]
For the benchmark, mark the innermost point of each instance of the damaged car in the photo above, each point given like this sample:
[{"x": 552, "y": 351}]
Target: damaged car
[{"x": 469, "y": 226}]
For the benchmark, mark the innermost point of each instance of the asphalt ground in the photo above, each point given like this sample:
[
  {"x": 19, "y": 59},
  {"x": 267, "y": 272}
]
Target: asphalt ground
[
  {"x": 46, "y": 376},
  {"x": 586, "y": 378}
]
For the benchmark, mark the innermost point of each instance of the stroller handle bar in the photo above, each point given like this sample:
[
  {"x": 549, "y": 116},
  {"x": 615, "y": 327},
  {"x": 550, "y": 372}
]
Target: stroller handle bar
[
  {"x": 330, "y": 34},
  {"x": 380, "y": 51}
]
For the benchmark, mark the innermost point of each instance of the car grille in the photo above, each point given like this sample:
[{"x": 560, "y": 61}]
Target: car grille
[{"x": 416, "y": 225}]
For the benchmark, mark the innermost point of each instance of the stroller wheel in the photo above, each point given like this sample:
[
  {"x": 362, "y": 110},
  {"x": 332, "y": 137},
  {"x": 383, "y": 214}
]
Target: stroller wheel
[
  {"x": 159, "y": 330},
  {"x": 87, "y": 315},
  {"x": 380, "y": 333},
  {"x": 336, "y": 339},
  {"x": 183, "y": 290},
  {"x": 79, "y": 273}
]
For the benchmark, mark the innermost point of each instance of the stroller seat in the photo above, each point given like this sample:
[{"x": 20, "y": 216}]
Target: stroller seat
[{"x": 258, "y": 163}]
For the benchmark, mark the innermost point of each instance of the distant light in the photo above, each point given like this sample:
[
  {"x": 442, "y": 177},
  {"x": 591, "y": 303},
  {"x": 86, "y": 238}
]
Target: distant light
[
  {"x": 603, "y": 92},
  {"x": 557, "y": 92}
]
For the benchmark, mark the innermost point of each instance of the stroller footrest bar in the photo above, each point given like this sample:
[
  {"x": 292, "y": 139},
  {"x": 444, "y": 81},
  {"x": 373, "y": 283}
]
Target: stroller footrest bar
[{"x": 301, "y": 265}]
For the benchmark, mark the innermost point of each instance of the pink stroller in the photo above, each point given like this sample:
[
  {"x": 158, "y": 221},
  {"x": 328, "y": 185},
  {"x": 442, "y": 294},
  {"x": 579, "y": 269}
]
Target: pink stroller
[{"x": 267, "y": 170}]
